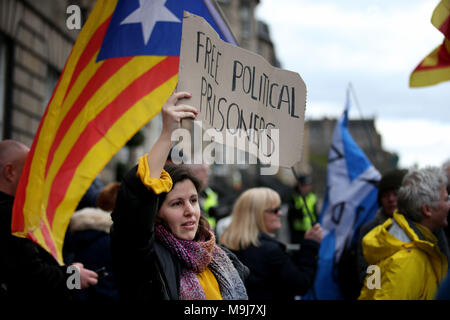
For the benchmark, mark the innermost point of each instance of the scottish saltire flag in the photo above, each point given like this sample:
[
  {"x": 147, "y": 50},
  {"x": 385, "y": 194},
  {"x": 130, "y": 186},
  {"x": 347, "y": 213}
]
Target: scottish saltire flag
[
  {"x": 121, "y": 70},
  {"x": 435, "y": 67},
  {"x": 350, "y": 201}
]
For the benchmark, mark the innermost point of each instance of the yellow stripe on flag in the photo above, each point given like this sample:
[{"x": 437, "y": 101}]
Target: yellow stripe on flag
[
  {"x": 100, "y": 13},
  {"x": 432, "y": 59},
  {"x": 423, "y": 78},
  {"x": 97, "y": 158},
  {"x": 115, "y": 84},
  {"x": 435, "y": 67},
  {"x": 37, "y": 233},
  {"x": 77, "y": 88},
  {"x": 33, "y": 209},
  {"x": 441, "y": 13}
]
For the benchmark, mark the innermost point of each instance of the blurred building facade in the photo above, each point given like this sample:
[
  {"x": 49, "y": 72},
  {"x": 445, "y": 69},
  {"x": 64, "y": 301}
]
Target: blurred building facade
[{"x": 34, "y": 46}]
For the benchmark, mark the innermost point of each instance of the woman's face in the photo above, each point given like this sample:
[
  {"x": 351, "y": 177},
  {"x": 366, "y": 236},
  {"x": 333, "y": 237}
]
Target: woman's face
[
  {"x": 181, "y": 210},
  {"x": 272, "y": 218}
]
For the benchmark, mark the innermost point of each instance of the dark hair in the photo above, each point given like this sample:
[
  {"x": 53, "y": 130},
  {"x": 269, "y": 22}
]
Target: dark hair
[
  {"x": 107, "y": 197},
  {"x": 304, "y": 180},
  {"x": 179, "y": 173},
  {"x": 391, "y": 180}
]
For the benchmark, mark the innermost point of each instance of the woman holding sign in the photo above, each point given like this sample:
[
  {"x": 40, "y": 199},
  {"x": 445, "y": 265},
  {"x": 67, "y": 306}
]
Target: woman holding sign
[
  {"x": 274, "y": 274},
  {"x": 162, "y": 247}
]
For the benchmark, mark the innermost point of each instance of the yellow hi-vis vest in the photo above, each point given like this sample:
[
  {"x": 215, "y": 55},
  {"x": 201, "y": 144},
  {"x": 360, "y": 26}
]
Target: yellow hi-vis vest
[
  {"x": 304, "y": 223},
  {"x": 212, "y": 200}
]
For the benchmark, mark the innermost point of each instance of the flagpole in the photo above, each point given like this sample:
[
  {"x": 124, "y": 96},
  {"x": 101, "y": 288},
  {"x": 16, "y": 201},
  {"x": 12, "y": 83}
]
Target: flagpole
[{"x": 351, "y": 90}]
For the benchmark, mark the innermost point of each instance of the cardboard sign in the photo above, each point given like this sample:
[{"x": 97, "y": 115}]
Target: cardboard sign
[{"x": 239, "y": 93}]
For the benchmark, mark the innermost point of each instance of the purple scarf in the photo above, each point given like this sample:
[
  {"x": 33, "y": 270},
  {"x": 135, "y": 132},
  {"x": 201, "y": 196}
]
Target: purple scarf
[{"x": 195, "y": 257}]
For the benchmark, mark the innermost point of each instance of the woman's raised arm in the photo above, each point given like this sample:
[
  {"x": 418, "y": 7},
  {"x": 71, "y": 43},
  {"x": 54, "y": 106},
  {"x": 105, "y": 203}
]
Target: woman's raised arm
[{"x": 172, "y": 115}]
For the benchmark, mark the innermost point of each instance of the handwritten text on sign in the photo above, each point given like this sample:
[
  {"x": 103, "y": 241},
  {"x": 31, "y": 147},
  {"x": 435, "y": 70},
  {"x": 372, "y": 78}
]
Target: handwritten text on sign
[{"x": 238, "y": 92}]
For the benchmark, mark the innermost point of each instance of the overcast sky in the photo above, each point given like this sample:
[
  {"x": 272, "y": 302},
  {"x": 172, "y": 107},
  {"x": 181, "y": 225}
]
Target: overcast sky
[{"x": 375, "y": 45}]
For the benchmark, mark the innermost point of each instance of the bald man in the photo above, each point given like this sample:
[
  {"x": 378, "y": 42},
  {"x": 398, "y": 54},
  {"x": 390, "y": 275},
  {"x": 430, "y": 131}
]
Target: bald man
[
  {"x": 12, "y": 159},
  {"x": 27, "y": 270}
]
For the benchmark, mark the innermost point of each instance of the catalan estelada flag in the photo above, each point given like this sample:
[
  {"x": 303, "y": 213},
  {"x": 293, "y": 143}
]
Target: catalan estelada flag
[
  {"x": 121, "y": 70},
  {"x": 435, "y": 68}
]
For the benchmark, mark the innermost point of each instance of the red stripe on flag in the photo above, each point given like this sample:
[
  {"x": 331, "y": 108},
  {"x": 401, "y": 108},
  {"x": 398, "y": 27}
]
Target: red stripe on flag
[
  {"x": 105, "y": 71},
  {"x": 48, "y": 240},
  {"x": 443, "y": 60},
  {"x": 445, "y": 27},
  {"x": 32, "y": 237},
  {"x": 18, "y": 219},
  {"x": 444, "y": 55},
  {"x": 98, "y": 127},
  {"x": 92, "y": 47},
  {"x": 18, "y": 222}
]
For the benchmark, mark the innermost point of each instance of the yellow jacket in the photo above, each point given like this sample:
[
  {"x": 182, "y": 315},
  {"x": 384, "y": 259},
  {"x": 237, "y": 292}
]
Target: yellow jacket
[{"x": 410, "y": 268}]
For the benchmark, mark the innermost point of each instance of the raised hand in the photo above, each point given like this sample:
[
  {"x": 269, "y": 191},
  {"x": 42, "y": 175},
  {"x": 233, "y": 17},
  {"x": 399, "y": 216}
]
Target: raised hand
[
  {"x": 172, "y": 114},
  {"x": 315, "y": 233}
]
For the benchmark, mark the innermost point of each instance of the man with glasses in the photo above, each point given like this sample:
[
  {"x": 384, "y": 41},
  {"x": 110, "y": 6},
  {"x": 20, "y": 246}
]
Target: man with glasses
[{"x": 409, "y": 249}]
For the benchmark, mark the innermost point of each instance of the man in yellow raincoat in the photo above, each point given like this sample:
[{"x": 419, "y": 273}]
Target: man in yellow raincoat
[{"x": 409, "y": 253}]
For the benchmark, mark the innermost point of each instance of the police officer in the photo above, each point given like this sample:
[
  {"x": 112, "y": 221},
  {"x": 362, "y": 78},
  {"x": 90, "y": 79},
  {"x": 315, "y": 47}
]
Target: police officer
[
  {"x": 208, "y": 198},
  {"x": 302, "y": 213}
]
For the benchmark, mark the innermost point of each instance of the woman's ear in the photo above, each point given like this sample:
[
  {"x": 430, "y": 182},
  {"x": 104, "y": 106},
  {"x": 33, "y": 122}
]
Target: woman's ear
[{"x": 158, "y": 220}]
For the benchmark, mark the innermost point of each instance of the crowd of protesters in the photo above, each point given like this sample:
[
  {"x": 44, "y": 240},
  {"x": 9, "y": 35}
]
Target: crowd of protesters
[{"x": 153, "y": 236}]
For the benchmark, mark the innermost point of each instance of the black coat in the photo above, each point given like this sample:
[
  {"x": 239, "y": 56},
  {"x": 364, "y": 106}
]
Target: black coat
[
  {"x": 26, "y": 270},
  {"x": 88, "y": 242},
  {"x": 275, "y": 274},
  {"x": 144, "y": 268}
]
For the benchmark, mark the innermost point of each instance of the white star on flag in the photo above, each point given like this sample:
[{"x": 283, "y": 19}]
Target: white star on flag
[{"x": 148, "y": 14}]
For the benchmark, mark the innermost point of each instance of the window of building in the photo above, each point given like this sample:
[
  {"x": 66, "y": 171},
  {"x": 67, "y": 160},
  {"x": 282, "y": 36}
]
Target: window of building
[
  {"x": 5, "y": 68},
  {"x": 2, "y": 82},
  {"x": 245, "y": 20},
  {"x": 51, "y": 79}
]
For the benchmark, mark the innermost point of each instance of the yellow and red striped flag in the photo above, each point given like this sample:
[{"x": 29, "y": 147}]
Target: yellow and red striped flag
[
  {"x": 435, "y": 67},
  {"x": 121, "y": 70}
]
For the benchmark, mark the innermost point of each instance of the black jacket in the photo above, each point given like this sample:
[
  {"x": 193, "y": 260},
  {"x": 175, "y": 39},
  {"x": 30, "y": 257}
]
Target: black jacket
[
  {"x": 144, "y": 268},
  {"x": 26, "y": 270},
  {"x": 87, "y": 241},
  {"x": 275, "y": 274}
]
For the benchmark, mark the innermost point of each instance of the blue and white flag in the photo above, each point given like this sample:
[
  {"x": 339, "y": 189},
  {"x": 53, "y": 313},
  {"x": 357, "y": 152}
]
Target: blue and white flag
[{"x": 350, "y": 201}]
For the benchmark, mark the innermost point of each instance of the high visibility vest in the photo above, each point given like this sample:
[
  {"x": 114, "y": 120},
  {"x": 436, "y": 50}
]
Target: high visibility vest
[
  {"x": 211, "y": 200},
  {"x": 304, "y": 222}
]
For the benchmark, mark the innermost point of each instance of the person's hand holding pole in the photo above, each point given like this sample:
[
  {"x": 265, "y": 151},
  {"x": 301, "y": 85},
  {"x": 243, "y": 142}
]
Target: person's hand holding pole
[{"x": 315, "y": 233}]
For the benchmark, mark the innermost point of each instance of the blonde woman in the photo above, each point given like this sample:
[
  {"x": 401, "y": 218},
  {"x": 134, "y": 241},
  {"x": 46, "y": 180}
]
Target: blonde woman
[{"x": 274, "y": 274}]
